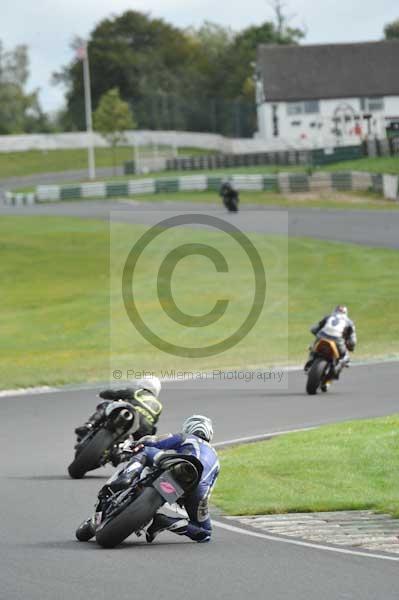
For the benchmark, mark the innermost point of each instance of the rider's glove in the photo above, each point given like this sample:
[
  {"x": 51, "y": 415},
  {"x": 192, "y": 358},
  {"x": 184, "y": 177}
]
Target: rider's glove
[
  {"x": 137, "y": 448},
  {"x": 126, "y": 451},
  {"x": 131, "y": 447}
]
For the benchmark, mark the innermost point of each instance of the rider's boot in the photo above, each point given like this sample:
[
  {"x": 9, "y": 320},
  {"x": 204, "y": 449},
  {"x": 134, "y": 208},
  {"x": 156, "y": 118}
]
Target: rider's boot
[
  {"x": 162, "y": 523},
  {"x": 85, "y": 531},
  {"x": 343, "y": 362},
  {"x": 177, "y": 525},
  {"x": 91, "y": 422},
  {"x": 119, "y": 454}
]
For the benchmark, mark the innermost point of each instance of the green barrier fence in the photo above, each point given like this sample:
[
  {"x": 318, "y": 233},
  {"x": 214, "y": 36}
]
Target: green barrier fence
[{"x": 283, "y": 182}]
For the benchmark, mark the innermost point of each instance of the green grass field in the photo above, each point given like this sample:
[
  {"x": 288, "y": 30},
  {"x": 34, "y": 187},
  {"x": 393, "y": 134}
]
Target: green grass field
[
  {"x": 350, "y": 466},
  {"x": 19, "y": 164},
  {"x": 55, "y": 315},
  {"x": 379, "y": 164}
]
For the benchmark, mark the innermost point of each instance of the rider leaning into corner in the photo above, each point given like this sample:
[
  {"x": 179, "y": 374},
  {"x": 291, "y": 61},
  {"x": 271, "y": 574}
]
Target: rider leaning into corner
[
  {"x": 143, "y": 396},
  {"x": 341, "y": 329},
  {"x": 194, "y": 440}
]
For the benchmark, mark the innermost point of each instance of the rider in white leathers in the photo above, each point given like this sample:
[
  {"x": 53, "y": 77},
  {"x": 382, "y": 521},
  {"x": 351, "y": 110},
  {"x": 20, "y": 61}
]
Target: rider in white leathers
[{"x": 338, "y": 327}]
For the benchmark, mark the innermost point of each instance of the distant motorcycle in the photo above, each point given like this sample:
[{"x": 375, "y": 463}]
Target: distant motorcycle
[
  {"x": 321, "y": 368},
  {"x": 230, "y": 197},
  {"x": 100, "y": 444},
  {"x": 130, "y": 499}
]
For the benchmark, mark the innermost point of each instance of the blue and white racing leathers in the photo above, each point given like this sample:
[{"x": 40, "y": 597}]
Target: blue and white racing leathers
[{"x": 199, "y": 526}]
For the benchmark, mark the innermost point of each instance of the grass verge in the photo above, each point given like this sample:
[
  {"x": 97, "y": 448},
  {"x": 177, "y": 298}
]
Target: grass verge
[
  {"x": 20, "y": 164},
  {"x": 350, "y": 466},
  {"x": 55, "y": 318}
]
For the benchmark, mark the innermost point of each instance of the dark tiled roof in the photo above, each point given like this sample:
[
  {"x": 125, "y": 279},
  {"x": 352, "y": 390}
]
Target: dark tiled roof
[{"x": 329, "y": 70}]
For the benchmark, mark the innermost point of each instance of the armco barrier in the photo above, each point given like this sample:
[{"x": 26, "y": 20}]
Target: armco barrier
[
  {"x": 281, "y": 183},
  {"x": 311, "y": 158}
]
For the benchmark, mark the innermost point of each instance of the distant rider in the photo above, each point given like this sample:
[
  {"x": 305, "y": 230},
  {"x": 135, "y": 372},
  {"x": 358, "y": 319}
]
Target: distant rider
[
  {"x": 341, "y": 329},
  {"x": 229, "y": 195},
  {"x": 144, "y": 396}
]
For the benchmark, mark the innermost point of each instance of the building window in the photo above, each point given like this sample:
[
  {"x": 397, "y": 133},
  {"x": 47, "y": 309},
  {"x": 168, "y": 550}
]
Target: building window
[
  {"x": 371, "y": 104},
  {"x": 376, "y": 104},
  {"x": 311, "y": 107},
  {"x": 294, "y": 108},
  {"x": 308, "y": 107}
]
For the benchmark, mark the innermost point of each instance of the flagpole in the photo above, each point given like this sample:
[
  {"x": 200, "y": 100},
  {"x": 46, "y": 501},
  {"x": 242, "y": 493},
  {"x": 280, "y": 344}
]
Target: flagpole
[{"x": 89, "y": 120}]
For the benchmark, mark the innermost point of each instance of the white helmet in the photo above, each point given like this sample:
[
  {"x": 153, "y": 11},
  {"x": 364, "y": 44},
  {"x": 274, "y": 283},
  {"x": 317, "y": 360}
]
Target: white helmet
[
  {"x": 151, "y": 384},
  {"x": 200, "y": 426},
  {"x": 341, "y": 308}
]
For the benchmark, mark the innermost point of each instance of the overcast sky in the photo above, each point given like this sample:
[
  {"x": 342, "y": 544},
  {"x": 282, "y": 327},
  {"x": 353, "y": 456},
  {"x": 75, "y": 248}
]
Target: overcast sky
[{"x": 48, "y": 26}]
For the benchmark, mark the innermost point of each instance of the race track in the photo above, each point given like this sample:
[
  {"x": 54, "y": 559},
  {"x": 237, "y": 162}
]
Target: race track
[
  {"x": 372, "y": 228},
  {"x": 41, "y": 506}
]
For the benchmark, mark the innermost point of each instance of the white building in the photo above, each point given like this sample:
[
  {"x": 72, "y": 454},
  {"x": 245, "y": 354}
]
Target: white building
[{"x": 330, "y": 94}]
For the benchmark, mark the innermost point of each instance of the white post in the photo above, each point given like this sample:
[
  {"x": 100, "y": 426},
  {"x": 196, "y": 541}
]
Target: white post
[
  {"x": 136, "y": 157},
  {"x": 89, "y": 121}
]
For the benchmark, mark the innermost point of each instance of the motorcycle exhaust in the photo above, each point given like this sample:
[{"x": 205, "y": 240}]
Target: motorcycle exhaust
[{"x": 126, "y": 414}]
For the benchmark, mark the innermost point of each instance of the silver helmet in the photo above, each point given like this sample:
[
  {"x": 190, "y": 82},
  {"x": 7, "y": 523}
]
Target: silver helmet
[
  {"x": 151, "y": 384},
  {"x": 342, "y": 309},
  {"x": 200, "y": 426}
]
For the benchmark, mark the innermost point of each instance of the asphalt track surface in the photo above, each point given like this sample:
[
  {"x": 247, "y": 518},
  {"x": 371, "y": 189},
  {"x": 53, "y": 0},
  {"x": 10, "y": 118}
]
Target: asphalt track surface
[
  {"x": 41, "y": 506},
  {"x": 372, "y": 228}
]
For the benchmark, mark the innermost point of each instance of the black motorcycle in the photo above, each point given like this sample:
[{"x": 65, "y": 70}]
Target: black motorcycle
[
  {"x": 130, "y": 499},
  {"x": 100, "y": 444},
  {"x": 230, "y": 197}
]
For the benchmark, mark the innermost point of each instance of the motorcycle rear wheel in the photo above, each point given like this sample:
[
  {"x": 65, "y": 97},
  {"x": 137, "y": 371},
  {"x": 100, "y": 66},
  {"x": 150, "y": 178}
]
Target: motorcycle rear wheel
[
  {"x": 133, "y": 518},
  {"x": 89, "y": 457},
  {"x": 315, "y": 376}
]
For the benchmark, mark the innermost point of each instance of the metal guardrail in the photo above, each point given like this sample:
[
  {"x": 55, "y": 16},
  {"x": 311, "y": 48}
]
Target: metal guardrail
[{"x": 305, "y": 158}]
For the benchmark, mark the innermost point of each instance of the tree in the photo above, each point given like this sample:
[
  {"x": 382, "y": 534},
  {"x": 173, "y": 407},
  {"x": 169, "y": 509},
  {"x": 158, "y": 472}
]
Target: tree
[
  {"x": 198, "y": 79},
  {"x": 243, "y": 53},
  {"x": 284, "y": 33},
  {"x": 138, "y": 55},
  {"x": 391, "y": 30},
  {"x": 112, "y": 118},
  {"x": 19, "y": 110}
]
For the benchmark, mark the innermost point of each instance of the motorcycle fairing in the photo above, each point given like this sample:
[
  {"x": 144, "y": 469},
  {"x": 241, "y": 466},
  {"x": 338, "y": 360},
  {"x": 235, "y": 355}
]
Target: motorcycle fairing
[{"x": 326, "y": 347}]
